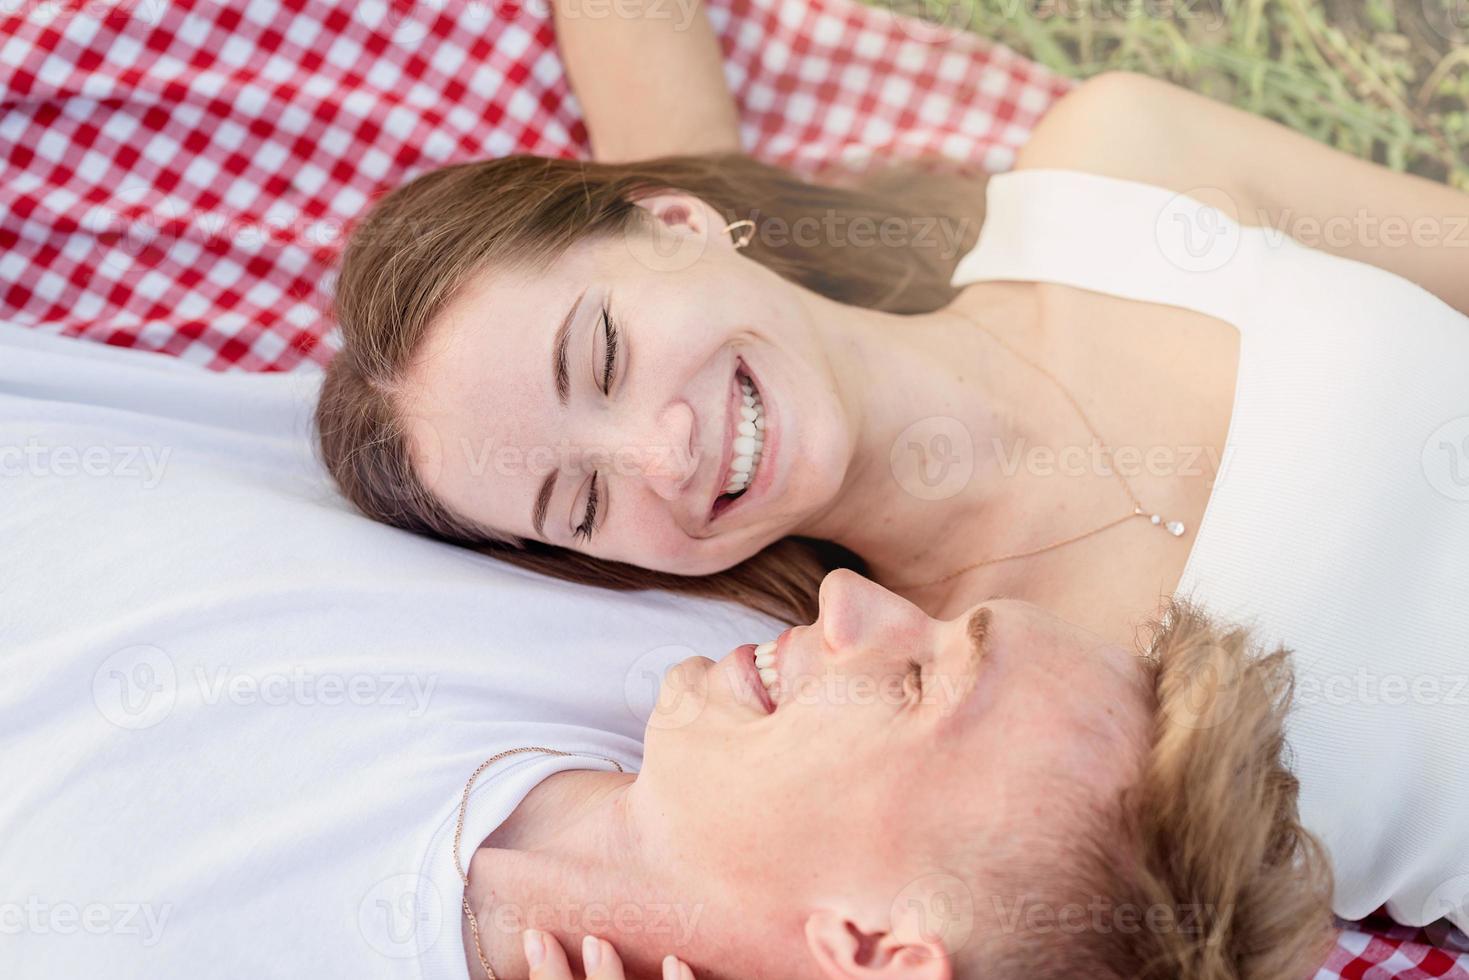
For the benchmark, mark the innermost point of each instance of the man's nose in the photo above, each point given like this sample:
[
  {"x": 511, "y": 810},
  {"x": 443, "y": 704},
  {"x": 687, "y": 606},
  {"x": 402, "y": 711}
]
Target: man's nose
[{"x": 857, "y": 613}]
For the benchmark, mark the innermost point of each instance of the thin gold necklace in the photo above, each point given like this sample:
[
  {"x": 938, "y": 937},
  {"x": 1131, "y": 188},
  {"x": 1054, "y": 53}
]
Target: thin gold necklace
[
  {"x": 1175, "y": 528},
  {"x": 479, "y": 950}
]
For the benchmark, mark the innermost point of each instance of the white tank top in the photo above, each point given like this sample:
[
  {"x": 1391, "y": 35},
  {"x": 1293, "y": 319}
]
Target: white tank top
[{"x": 1339, "y": 521}]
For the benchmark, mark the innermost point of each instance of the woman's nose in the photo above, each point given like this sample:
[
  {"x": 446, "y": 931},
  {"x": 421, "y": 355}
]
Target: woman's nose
[
  {"x": 857, "y": 613},
  {"x": 666, "y": 458}
]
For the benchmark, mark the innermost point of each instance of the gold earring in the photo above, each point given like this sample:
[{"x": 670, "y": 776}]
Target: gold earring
[{"x": 746, "y": 231}]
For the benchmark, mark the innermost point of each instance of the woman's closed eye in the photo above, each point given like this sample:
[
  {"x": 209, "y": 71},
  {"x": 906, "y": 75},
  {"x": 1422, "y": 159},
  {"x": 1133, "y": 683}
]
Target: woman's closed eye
[
  {"x": 592, "y": 514},
  {"x": 595, "y": 507},
  {"x": 610, "y": 339}
]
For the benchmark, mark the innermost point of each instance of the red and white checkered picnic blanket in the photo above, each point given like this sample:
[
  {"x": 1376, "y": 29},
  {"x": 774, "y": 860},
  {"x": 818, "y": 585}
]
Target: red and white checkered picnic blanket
[{"x": 177, "y": 175}]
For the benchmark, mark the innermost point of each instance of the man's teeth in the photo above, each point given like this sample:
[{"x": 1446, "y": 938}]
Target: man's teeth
[
  {"x": 749, "y": 440},
  {"x": 765, "y": 664}
]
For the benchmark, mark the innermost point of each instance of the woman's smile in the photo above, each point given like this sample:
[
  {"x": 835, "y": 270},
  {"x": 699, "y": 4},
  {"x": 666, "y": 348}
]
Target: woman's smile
[{"x": 749, "y": 446}]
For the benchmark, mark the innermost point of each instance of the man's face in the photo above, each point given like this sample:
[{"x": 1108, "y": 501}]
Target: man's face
[{"x": 894, "y": 748}]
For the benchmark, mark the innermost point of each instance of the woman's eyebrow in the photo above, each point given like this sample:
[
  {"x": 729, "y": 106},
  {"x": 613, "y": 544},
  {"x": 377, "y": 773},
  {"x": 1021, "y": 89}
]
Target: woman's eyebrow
[
  {"x": 543, "y": 503},
  {"x": 560, "y": 371}
]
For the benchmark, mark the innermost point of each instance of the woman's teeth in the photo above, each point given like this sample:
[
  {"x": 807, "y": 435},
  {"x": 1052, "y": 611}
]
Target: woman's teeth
[
  {"x": 765, "y": 664},
  {"x": 748, "y": 441}
]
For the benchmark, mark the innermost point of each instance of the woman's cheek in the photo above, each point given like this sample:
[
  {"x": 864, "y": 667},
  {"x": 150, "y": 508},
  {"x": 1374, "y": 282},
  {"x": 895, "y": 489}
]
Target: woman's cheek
[{"x": 661, "y": 548}]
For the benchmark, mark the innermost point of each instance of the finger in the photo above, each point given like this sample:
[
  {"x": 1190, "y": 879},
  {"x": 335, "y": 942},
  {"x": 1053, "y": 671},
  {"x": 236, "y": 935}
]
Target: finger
[
  {"x": 676, "y": 969},
  {"x": 545, "y": 956},
  {"x": 600, "y": 959}
]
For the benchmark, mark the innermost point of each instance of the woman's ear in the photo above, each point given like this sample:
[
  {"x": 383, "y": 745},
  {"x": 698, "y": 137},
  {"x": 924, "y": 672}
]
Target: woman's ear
[
  {"x": 845, "y": 952},
  {"x": 676, "y": 211},
  {"x": 684, "y": 228}
]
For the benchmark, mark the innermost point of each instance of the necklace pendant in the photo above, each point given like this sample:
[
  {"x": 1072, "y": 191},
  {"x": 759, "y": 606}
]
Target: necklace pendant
[{"x": 1175, "y": 528}]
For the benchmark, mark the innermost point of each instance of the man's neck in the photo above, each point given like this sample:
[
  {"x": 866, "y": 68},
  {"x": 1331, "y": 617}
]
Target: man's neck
[{"x": 570, "y": 836}]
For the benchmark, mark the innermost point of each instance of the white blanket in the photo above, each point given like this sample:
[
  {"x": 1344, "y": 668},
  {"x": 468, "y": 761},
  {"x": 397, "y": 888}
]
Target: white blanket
[{"x": 236, "y": 716}]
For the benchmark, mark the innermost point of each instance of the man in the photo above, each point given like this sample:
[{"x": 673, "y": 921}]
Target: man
[{"x": 1001, "y": 795}]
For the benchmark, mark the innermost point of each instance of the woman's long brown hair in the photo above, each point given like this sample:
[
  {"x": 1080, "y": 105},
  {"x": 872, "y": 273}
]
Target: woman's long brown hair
[{"x": 420, "y": 243}]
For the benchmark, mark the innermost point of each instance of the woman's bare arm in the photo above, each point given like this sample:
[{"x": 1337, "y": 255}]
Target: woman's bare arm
[
  {"x": 1138, "y": 128},
  {"x": 649, "y": 75}
]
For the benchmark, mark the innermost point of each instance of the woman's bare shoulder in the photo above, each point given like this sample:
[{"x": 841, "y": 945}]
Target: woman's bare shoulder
[
  {"x": 1132, "y": 127},
  {"x": 1108, "y": 122}
]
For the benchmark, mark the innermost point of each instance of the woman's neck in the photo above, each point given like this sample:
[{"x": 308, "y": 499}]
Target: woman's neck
[{"x": 939, "y": 410}]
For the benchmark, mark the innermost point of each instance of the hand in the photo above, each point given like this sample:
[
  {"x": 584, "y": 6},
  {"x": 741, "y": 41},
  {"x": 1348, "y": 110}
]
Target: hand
[{"x": 548, "y": 960}]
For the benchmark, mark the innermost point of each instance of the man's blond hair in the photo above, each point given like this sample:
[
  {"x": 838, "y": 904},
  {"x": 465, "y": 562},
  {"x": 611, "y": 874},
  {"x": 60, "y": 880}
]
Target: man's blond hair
[{"x": 1202, "y": 869}]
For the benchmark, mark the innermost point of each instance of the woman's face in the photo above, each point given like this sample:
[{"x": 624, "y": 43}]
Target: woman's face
[{"x": 600, "y": 403}]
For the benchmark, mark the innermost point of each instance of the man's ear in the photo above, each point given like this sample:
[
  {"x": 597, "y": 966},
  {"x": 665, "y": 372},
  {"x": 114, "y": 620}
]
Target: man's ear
[{"x": 845, "y": 952}]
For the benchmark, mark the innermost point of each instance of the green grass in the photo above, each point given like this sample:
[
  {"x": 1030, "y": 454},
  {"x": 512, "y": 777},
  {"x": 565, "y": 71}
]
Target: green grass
[{"x": 1387, "y": 80}]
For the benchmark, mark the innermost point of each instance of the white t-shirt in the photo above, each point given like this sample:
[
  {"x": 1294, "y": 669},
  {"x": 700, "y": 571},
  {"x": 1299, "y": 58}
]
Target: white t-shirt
[
  {"x": 237, "y": 717},
  {"x": 1339, "y": 519}
]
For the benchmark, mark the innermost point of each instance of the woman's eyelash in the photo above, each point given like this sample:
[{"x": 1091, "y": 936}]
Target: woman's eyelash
[
  {"x": 589, "y": 521},
  {"x": 610, "y": 360}
]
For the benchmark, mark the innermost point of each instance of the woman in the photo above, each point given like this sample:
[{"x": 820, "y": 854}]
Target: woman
[{"x": 576, "y": 367}]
